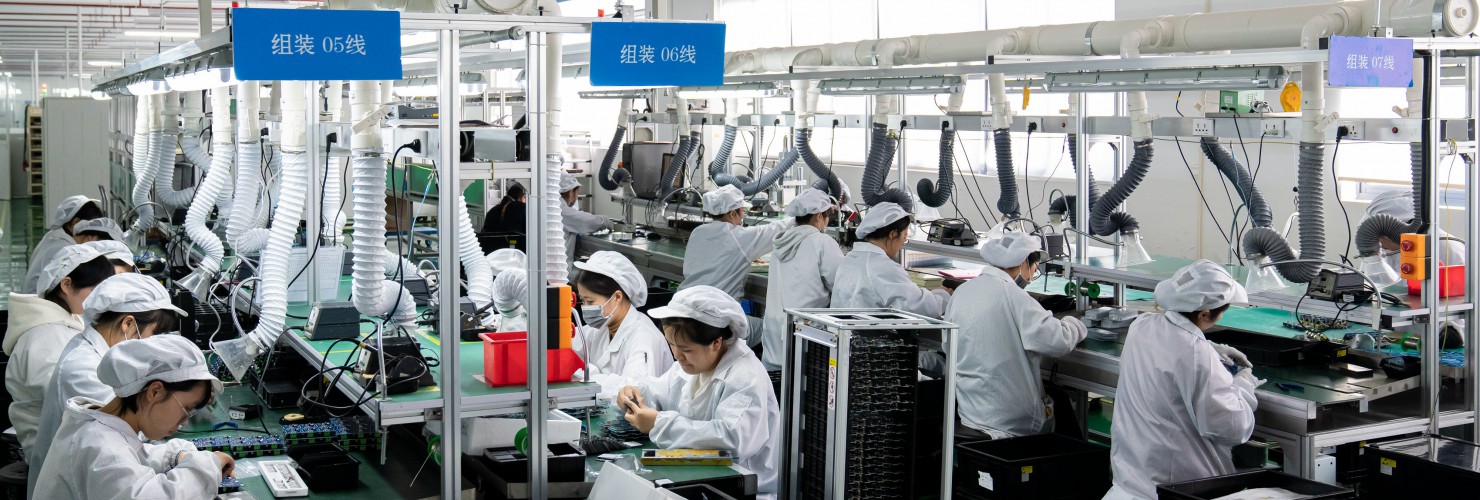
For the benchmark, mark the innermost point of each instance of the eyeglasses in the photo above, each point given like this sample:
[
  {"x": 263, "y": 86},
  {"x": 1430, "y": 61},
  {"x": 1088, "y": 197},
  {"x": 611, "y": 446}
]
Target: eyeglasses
[{"x": 188, "y": 412}]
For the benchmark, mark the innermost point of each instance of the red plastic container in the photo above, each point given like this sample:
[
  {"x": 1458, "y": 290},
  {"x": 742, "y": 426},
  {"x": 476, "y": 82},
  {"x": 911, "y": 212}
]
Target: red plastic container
[
  {"x": 505, "y": 361},
  {"x": 1451, "y": 282}
]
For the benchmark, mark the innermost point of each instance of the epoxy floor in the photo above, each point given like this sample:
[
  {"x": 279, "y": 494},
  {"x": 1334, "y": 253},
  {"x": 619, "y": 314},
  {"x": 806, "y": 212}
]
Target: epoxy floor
[{"x": 22, "y": 224}]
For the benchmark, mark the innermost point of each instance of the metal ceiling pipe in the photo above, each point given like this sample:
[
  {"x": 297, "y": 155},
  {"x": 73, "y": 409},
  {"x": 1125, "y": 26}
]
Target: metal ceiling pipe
[{"x": 513, "y": 33}]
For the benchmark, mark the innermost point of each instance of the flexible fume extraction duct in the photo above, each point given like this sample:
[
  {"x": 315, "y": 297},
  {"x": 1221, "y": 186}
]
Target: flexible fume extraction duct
[
  {"x": 686, "y": 147},
  {"x": 612, "y": 180},
  {"x": 243, "y": 230},
  {"x": 164, "y": 179},
  {"x": 804, "y": 101},
  {"x": 331, "y": 211},
  {"x": 1309, "y": 171},
  {"x": 938, "y": 193},
  {"x": 216, "y": 181},
  {"x": 1007, "y": 201},
  {"x": 197, "y": 155},
  {"x": 719, "y": 169},
  {"x": 371, "y": 293},
  {"x": 1258, "y": 209},
  {"x": 142, "y": 164},
  {"x": 1382, "y": 225},
  {"x": 876, "y": 170}
]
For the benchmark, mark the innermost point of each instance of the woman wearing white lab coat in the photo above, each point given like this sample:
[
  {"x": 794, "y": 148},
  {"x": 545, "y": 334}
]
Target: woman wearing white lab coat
[
  {"x": 717, "y": 395},
  {"x": 1178, "y": 410},
  {"x": 803, "y": 268},
  {"x": 156, "y": 385},
  {"x": 74, "y": 209},
  {"x": 722, "y": 250},
  {"x": 869, "y": 277},
  {"x": 621, "y": 346},
  {"x": 40, "y": 327},
  {"x": 576, "y": 222},
  {"x": 1004, "y": 335},
  {"x": 123, "y": 307}
]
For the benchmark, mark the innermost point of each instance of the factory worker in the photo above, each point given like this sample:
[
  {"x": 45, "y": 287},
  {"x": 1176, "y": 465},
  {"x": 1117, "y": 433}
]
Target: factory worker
[
  {"x": 117, "y": 252},
  {"x": 155, "y": 385},
  {"x": 124, "y": 307},
  {"x": 72, "y": 210},
  {"x": 1399, "y": 205},
  {"x": 505, "y": 259},
  {"x": 1004, "y": 335},
  {"x": 621, "y": 346},
  {"x": 803, "y": 267},
  {"x": 99, "y": 229},
  {"x": 576, "y": 222},
  {"x": 869, "y": 277},
  {"x": 509, "y": 290},
  {"x": 508, "y": 216},
  {"x": 723, "y": 249},
  {"x": 1178, "y": 410},
  {"x": 40, "y": 326},
  {"x": 717, "y": 395}
]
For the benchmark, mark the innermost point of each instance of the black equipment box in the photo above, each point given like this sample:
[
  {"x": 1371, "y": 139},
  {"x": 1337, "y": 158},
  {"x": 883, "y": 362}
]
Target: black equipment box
[
  {"x": 332, "y": 321},
  {"x": 1404, "y": 469},
  {"x": 1040, "y": 466},
  {"x": 1221, "y": 486}
]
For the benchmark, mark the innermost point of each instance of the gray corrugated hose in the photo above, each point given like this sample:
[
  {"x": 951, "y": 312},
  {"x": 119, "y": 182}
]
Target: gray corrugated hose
[
  {"x": 1104, "y": 220},
  {"x": 1007, "y": 203},
  {"x": 1309, "y": 201},
  {"x": 938, "y": 193},
  {"x": 803, "y": 143},
  {"x": 609, "y": 180},
  {"x": 1258, "y": 209},
  {"x": 686, "y": 147},
  {"x": 876, "y": 169}
]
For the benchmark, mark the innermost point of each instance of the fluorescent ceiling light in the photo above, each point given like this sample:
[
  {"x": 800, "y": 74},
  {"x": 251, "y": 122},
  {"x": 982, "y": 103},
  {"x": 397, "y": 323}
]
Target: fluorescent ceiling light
[
  {"x": 636, "y": 93},
  {"x": 469, "y": 84},
  {"x": 105, "y": 64},
  {"x": 1246, "y": 78},
  {"x": 148, "y": 87},
  {"x": 759, "y": 89},
  {"x": 202, "y": 80},
  {"x": 892, "y": 86},
  {"x": 159, "y": 34}
]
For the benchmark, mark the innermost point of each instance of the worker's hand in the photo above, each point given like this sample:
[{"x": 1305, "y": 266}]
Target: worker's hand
[
  {"x": 642, "y": 418},
  {"x": 629, "y": 399},
  {"x": 1247, "y": 375},
  {"x": 1231, "y": 356},
  {"x": 228, "y": 465}
]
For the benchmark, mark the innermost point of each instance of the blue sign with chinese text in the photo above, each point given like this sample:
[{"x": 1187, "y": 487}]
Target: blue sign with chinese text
[
  {"x": 652, "y": 54},
  {"x": 1370, "y": 62},
  {"x": 298, "y": 44}
]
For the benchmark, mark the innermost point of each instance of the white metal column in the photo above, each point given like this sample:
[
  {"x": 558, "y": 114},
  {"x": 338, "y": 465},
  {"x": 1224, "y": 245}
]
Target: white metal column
[
  {"x": 450, "y": 104},
  {"x": 536, "y": 103}
]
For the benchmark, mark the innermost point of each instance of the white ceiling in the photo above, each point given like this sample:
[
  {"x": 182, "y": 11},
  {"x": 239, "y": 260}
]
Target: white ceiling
[{"x": 49, "y": 28}]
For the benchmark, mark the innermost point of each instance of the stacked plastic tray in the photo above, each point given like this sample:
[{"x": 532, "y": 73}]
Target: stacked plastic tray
[
  {"x": 357, "y": 433},
  {"x": 880, "y": 417}
]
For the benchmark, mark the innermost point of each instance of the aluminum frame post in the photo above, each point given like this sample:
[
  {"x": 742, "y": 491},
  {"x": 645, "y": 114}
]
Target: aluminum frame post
[
  {"x": 1472, "y": 213},
  {"x": 450, "y": 104},
  {"x": 1434, "y": 137},
  {"x": 537, "y": 107},
  {"x": 1081, "y": 198},
  {"x": 316, "y": 177}
]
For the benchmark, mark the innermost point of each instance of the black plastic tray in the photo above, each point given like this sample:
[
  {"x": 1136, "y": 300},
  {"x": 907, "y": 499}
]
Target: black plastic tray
[
  {"x": 1215, "y": 487},
  {"x": 1262, "y": 349},
  {"x": 1404, "y": 469},
  {"x": 1045, "y": 466}
]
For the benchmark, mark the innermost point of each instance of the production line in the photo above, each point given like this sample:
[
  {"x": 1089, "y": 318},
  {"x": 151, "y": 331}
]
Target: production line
[{"x": 394, "y": 275}]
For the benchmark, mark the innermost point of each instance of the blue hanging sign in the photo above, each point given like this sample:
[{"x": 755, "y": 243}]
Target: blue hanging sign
[
  {"x": 299, "y": 44},
  {"x": 1370, "y": 62},
  {"x": 655, "y": 54}
]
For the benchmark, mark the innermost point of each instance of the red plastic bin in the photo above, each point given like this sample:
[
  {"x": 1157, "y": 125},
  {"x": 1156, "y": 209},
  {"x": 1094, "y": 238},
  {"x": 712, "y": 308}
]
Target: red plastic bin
[
  {"x": 1451, "y": 282},
  {"x": 505, "y": 361}
]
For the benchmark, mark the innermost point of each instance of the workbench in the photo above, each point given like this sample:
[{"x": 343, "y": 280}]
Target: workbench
[{"x": 664, "y": 259}]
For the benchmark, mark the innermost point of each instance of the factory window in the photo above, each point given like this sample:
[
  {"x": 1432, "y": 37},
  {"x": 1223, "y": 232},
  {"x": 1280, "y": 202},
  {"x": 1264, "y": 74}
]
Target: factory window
[{"x": 1366, "y": 169}]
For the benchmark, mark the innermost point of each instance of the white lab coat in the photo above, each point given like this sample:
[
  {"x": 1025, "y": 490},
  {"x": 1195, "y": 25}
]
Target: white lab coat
[
  {"x": 104, "y": 459},
  {"x": 636, "y": 353},
  {"x": 868, "y": 278},
  {"x": 731, "y": 408},
  {"x": 803, "y": 268},
  {"x": 719, "y": 253},
  {"x": 579, "y": 223},
  {"x": 1178, "y": 411},
  {"x": 38, "y": 331},
  {"x": 47, "y": 248},
  {"x": 1004, "y": 335},
  {"x": 76, "y": 376}
]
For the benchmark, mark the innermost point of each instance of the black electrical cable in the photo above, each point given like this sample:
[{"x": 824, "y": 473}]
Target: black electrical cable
[
  {"x": 1043, "y": 193},
  {"x": 317, "y": 232},
  {"x": 1336, "y": 191},
  {"x": 1027, "y": 170},
  {"x": 1200, "y": 194},
  {"x": 975, "y": 179}
]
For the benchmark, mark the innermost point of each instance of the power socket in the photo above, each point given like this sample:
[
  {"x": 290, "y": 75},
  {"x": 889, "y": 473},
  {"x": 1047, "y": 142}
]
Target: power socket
[
  {"x": 1272, "y": 128},
  {"x": 1354, "y": 130},
  {"x": 1202, "y": 127}
]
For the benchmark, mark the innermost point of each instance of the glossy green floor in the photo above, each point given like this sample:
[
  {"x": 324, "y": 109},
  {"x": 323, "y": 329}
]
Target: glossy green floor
[{"x": 22, "y": 224}]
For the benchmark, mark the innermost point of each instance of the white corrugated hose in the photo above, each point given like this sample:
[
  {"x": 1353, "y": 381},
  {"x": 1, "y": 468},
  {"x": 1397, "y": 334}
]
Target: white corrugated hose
[
  {"x": 143, "y": 165},
  {"x": 243, "y": 232},
  {"x": 216, "y": 181},
  {"x": 164, "y": 178}
]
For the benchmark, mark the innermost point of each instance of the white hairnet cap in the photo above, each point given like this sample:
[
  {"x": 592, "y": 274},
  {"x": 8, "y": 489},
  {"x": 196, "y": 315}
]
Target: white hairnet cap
[
  {"x": 708, "y": 305},
  {"x": 113, "y": 249},
  {"x": 127, "y": 292},
  {"x": 723, "y": 200},
  {"x": 811, "y": 201},
  {"x": 62, "y": 264},
  {"x": 879, "y": 216},
  {"x": 68, "y": 209},
  {"x": 509, "y": 289},
  {"x": 130, "y": 365},
  {"x": 613, "y": 265},
  {"x": 1200, "y": 286},
  {"x": 101, "y": 225},
  {"x": 568, "y": 182},
  {"x": 1011, "y": 249},
  {"x": 1398, "y": 204},
  {"x": 505, "y": 259}
]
